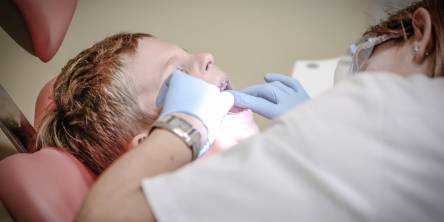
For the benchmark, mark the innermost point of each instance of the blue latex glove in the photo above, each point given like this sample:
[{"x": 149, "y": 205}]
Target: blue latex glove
[
  {"x": 277, "y": 96},
  {"x": 186, "y": 94}
]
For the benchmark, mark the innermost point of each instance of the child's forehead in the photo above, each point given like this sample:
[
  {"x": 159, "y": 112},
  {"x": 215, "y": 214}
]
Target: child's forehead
[
  {"x": 155, "y": 45},
  {"x": 150, "y": 53}
]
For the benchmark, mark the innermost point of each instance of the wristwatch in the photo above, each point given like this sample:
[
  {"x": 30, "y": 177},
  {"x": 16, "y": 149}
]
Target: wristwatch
[{"x": 182, "y": 129}]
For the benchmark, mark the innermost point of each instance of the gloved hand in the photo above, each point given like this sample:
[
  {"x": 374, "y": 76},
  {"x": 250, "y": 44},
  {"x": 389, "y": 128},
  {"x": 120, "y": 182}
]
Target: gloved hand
[
  {"x": 277, "y": 96},
  {"x": 186, "y": 94}
]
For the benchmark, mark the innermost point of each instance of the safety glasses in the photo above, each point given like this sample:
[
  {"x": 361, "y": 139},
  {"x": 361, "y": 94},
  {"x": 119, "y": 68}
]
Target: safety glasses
[
  {"x": 362, "y": 51},
  {"x": 357, "y": 55}
]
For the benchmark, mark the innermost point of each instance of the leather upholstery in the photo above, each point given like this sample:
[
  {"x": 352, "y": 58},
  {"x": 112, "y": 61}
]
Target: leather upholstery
[{"x": 48, "y": 185}]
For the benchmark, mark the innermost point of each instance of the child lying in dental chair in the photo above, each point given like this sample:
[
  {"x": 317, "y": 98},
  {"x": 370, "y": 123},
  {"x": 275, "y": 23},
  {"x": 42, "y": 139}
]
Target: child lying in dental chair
[{"x": 103, "y": 101}]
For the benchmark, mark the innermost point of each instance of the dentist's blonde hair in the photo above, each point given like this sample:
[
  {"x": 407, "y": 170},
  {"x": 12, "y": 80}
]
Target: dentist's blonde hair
[
  {"x": 400, "y": 24},
  {"x": 96, "y": 113}
]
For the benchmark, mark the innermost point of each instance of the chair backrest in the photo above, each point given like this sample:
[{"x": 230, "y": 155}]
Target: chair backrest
[{"x": 48, "y": 185}]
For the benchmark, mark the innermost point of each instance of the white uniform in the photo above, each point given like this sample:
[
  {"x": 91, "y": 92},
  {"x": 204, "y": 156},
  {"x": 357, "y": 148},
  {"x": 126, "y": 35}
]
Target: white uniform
[{"x": 371, "y": 149}]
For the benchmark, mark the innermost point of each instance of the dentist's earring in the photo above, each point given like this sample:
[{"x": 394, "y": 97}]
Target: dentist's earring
[{"x": 416, "y": 50}]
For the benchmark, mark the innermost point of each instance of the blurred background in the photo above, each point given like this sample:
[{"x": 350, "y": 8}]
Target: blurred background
[{"x": 247, "y": 37}]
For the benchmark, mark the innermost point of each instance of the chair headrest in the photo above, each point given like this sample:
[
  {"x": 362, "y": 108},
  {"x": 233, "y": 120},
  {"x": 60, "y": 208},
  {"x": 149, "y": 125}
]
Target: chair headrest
[
  {"x": 38, "y": 26},
  {"x": 44, "y": 102}
]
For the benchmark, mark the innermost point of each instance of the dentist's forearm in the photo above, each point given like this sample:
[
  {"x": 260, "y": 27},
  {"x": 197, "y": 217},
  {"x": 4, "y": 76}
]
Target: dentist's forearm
[{"x": 117, "y": 195}]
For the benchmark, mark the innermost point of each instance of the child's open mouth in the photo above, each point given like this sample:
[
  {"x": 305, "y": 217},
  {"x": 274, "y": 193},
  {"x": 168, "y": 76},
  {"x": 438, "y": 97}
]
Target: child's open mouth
[{"x": 226, "y": 85}]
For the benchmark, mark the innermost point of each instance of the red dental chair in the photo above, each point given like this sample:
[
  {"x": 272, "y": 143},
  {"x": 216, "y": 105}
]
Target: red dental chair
[
  {"x": 38, "y": 26},
  {"x": 49, "y": 184}
]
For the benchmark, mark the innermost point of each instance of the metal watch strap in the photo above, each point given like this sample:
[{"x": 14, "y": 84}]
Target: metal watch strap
[{"x": 181, "y": 128}]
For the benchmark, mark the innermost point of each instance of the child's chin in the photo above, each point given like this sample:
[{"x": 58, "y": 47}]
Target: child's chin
[
  {"x": 236, "y": 127},
  {"x": 236, "y": 110}
]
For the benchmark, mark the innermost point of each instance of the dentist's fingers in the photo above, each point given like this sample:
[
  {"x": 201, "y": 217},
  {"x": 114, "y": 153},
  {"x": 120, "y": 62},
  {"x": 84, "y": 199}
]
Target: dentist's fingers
[
  {"x": 286, "y": 80},
  {"x": 280, "y": 86},
  {"x": 258, "y": 105},
  {"x": 264, "y": 91},
  {"x": 160, "y": 99}
]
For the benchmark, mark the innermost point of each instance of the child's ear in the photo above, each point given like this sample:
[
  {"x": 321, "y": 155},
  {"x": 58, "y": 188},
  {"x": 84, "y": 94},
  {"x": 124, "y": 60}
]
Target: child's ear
[{"x": 138, "y": 139}]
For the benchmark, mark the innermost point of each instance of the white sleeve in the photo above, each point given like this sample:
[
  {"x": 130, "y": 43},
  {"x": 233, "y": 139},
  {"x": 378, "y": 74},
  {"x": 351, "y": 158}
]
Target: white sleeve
[
  {"x": 332, "y": 159},
  {"x": 253, "y": 182}
]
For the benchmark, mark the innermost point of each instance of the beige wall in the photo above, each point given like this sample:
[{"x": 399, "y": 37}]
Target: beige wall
[{"x": 248, "y": 38}]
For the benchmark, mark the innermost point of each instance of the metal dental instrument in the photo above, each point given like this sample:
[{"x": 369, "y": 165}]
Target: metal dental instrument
[{"x": 15, "y": 125}]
